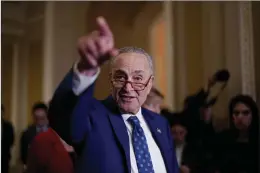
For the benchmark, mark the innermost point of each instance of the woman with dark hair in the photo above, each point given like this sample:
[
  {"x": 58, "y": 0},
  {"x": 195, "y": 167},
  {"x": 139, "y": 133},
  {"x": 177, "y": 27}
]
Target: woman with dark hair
[{"x": 238, "y": 147}]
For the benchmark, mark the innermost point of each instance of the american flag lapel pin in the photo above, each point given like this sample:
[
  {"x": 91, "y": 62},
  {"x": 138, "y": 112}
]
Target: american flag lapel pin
[{"x": 159, "y": 130}]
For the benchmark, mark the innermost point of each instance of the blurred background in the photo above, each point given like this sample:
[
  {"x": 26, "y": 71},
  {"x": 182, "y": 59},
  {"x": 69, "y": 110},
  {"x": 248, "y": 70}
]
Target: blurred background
[{"x": 188, "y": 41}]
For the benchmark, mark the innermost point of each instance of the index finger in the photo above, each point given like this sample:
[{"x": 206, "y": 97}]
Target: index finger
[{"x": 103, "y": 27}]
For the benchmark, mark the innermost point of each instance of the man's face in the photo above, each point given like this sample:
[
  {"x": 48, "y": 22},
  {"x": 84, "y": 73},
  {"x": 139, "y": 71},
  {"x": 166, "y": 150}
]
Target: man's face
[
  {"x": 179, "y": 133},
  {"x": 40, "y": 117},
  {"x": 131, "y": 69},
  {"x": 242, "y": 116}
]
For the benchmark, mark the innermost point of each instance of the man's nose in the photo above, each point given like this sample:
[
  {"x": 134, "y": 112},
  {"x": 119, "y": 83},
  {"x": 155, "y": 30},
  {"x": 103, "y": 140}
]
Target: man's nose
[{"x": 128, "y": 86}]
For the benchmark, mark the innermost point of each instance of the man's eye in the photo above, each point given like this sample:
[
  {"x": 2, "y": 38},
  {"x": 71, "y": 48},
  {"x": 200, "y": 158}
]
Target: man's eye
[
  {"x": 138, "y": 79},
  {"x": 120, "y": 78}
]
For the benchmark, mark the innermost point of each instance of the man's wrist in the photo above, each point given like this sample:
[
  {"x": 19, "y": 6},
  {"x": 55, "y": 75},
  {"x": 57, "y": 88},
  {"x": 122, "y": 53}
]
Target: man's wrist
[{"x": 81, "y": 67}]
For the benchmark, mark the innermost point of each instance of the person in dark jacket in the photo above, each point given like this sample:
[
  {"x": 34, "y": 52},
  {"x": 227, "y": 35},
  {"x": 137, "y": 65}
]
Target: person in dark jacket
[
  {"x": 7, "y": 142},
  {"x": 237, "y": 147},
  {"x": 187, "y": 155},
  {"x": 40, "y": 124}
]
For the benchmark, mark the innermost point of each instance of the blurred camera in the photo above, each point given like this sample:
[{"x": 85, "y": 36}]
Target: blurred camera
[{"x": 222, "y": 75}]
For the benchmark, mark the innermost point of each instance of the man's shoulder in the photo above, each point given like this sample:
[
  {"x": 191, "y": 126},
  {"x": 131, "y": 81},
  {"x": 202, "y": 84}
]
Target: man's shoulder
[{"x": 154, "y": 115}]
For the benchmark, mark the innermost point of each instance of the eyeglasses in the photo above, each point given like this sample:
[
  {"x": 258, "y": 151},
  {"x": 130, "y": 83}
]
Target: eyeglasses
[{"x": 119, "y": 83}]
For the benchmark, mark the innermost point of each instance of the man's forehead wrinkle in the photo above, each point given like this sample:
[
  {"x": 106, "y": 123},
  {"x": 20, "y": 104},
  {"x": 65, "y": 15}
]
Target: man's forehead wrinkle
[
  {"x": 138, "y": 71},
  {"x": 131, "y": 64},
  {"x": 121, "y": 71}
]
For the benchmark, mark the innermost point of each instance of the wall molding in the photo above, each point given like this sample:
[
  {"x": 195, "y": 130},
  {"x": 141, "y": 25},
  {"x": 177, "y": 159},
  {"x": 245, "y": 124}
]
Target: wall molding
[{"x": 246, "y": 49}]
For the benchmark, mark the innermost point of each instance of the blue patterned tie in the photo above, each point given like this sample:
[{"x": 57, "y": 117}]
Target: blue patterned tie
[{"x": 142, "y": 154}]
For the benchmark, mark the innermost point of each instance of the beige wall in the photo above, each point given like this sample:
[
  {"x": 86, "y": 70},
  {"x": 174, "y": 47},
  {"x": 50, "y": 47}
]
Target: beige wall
[
  {"x": 193, "y": 40},
  {"x": 34, "y": 74},
  {"x": 6, "y": 78},
  {"x": 159, "y": 54}
]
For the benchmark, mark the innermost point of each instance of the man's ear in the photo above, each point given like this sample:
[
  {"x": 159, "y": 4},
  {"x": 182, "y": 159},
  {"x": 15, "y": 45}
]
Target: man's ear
[{"x": 150, "y": 84}]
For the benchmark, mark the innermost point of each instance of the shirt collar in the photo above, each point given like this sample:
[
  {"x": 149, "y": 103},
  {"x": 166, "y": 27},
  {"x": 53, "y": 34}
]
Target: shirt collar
[
  {"x": 41, "y": 128},
  {"x": 138, "y": 114}
]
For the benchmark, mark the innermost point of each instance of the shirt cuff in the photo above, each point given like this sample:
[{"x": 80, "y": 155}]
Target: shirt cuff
[{"x": 81, "y": 82}]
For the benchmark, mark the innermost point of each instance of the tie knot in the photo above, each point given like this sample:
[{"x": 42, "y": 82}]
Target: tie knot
[{"x": 134, "y": 120}]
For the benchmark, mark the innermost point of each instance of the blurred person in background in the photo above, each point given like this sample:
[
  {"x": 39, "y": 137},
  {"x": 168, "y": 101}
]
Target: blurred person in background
[
  {"x": 197, "y": 109},
  {"x": 40, "y": 124},
  {"x": 237, "y": 147},
  {"x": 48, "y": 153},
  {"x": 187, "y": 155},
  {"x": 197, "y": 115},
  {"x": 154, "y": 101},
  {"x": 7, "y": 141}
]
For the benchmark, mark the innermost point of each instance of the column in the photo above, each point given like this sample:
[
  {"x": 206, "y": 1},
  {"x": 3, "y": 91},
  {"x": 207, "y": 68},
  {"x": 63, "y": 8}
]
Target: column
[
  {"x": 64, "y": 23},
  {"x": 179, "y": 54},
  {"x": 256, "y": 27},
  {"x": 246, "y": 48},
  {"x": 169, "y": 58},
  {"x": 14, "y": 100},
  {"x": 33, "y": 55},
  {"x": 19, "y": 109},
  {"x": 239, "y": 48},
  {"x": 48, "y": 50}
]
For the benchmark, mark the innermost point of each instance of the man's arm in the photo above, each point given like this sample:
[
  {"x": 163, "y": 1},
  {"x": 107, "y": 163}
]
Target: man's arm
[
  {"x": 66, "y": 97},
  {"x": 94, "y": 49}
]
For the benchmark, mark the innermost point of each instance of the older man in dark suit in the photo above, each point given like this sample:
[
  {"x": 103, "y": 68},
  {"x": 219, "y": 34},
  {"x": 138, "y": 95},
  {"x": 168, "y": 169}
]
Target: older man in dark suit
[{"x": 114, "y": 135}]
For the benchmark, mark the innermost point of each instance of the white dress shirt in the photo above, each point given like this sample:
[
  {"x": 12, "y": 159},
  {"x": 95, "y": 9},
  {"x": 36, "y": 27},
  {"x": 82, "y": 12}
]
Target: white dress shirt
[
  {"x": 156, "y": 156},
  {"x": 179, "y": 151},
  {"x": 81, "y": 82}
]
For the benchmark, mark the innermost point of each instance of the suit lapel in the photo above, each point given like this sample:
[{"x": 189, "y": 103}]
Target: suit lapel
[
  {"x": 158, "y": 134},
  {"x": 119, "y": 128}
]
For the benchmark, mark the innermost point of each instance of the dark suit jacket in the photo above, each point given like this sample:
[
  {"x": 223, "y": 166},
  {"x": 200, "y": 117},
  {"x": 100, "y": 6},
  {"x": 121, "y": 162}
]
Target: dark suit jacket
[
  {"x": 197, "y": 159},
  {"x": 26, "y": 139},
  {"x": 48, "y": 155},
  {"x": 101, "y": 135},
  {"x": 232, "y": 156},
  {"x": 7, "y": 142}
]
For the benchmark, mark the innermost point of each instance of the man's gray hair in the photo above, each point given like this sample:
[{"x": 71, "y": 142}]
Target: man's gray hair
[{"x": 132, "y": 49}]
